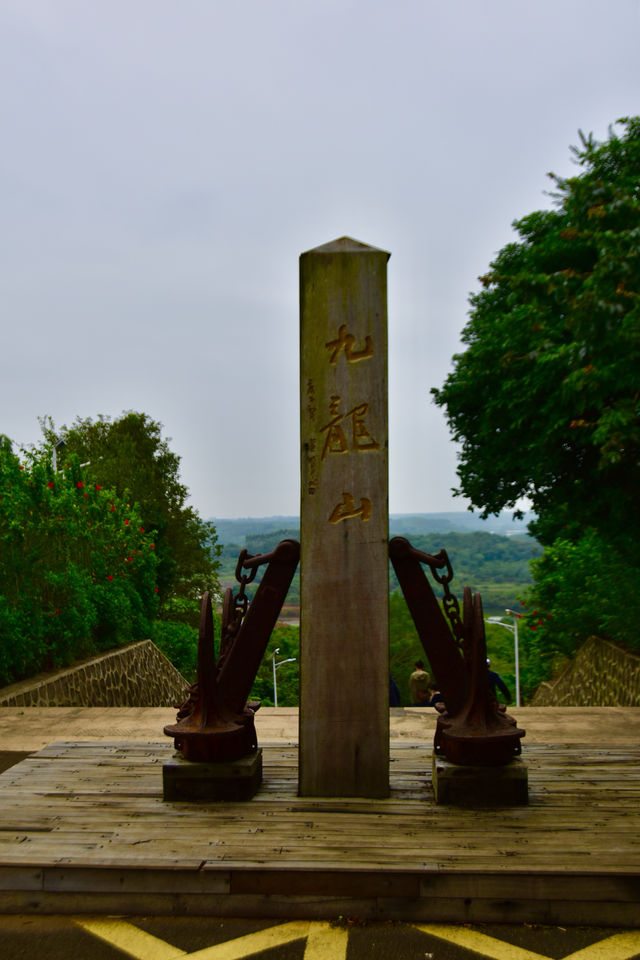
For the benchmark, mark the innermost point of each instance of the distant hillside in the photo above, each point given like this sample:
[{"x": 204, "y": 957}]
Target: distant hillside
[
  {"x": 460, "y": 521},
  {"x": 237, "y": 530},
  {"x": 491, "y": 556}
]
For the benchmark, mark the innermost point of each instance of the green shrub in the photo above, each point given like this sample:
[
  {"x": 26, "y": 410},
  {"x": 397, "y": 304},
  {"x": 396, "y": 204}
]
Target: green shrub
[
  {"x": 77, "y": 570},
  {"x": 179, "y": 643}
]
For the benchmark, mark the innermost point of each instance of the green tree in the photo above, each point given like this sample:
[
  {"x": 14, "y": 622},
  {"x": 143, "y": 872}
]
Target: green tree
[
  {"x": 130, "y": 456},
  {"x": 581, "y": 589},
  {"x": 553, "y": 350}
]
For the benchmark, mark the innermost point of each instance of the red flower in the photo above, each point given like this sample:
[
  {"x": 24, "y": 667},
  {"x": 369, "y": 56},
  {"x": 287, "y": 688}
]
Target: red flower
[
  {"x": 522, "y": 603},
  {"x": 156, "y": 589},
  {"x": 152, "y": 545},
  {"x": 109, "y": 577},
  {"x": 87, "y": 495},
  {"x": 113, "y": 509},
  {"x": 50, "y": 484},
  {"x": 80, "y": 484},
  {"x": 126, "y": 523},
  {"x": 98, "y": 487},
  {"x": 141, "y": 529}
]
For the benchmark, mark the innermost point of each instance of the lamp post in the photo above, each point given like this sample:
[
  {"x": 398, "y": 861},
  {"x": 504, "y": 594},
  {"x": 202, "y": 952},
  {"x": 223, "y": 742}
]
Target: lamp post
[
  {"x": 514, "y": 617},
  {"x": 275, "y": 667},
  {"x": 58, "y": 447},
  {"x": 514, "y": 629}
]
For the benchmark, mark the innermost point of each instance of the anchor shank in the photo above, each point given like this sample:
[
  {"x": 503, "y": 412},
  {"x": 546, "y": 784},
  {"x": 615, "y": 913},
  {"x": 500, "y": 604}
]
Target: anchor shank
[
  {"x": 240, "y": 665},
  {"x": 442, "y": 651}
]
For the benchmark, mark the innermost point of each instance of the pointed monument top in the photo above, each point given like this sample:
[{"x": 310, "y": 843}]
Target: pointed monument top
[{"x": 346, "y": 245}]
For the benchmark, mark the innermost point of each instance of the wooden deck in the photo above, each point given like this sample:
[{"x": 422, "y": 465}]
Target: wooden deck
[{"x": 84, "y": 829}]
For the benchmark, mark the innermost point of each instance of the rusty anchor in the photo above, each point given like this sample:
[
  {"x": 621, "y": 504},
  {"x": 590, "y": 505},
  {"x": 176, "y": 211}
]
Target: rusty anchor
[
  {"x": 474, "y": 729},
  {"x": 216, "y": 722}
]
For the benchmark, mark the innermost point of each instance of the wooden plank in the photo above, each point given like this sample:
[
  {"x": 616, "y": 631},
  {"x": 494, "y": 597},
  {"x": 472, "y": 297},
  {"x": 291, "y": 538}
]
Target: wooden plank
[
  {"x": 555, "y": 887},
  {"x": 24, "y": 878},
  {"x": 325, "y": 883},
  {"x": 152, "y": 879}
]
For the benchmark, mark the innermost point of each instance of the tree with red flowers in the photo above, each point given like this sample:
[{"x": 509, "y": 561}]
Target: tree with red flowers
[{"x": 77, "y": 571}]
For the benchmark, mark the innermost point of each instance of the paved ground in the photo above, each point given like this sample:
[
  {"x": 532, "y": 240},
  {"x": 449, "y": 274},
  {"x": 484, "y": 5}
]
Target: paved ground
[
  {"x": 148, "y": 938},
  {"x": 30, "y": 728}
]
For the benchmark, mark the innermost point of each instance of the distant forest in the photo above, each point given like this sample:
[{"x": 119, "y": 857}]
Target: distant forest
[{"x": 482, "y": 555}]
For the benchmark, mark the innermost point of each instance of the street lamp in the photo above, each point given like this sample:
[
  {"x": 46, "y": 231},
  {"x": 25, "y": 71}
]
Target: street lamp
[
  {"x": 58, "y": 447},
  {"x": 515, "y": 618},
  {"x": 275, "y": 667},
  {"x": 514, "y": 630}
]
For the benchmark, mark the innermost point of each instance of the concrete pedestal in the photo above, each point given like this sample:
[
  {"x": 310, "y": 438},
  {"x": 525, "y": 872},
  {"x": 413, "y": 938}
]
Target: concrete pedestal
[
  {"x": 465, "y": 786},
  {"x": 191, "y": 781}
]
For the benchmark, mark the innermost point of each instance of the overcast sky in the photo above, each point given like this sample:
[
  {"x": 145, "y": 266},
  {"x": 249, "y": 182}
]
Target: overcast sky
[{"x": 164, "y": 164}]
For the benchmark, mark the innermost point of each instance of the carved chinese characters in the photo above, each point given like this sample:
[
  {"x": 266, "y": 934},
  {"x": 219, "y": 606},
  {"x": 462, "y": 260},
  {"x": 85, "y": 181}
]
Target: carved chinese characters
[
  {"x": 337, "y": 441},
  {"x": 345, "y": 432},
  {"x": 344, "y": 521}
]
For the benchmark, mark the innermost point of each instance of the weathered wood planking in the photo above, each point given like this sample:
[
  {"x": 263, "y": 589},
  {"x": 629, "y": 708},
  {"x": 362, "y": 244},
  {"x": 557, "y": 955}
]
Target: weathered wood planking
[{"x": 88, "y": 820}]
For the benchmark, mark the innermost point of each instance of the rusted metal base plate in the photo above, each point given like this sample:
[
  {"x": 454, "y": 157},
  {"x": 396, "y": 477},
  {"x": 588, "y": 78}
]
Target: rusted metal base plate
[
  {"x": 467, "y": 786},
  {"x": 192, "y": 781}
]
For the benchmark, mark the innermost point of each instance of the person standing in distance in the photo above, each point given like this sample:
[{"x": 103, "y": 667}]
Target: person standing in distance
[{"x": 419, "y": 685}]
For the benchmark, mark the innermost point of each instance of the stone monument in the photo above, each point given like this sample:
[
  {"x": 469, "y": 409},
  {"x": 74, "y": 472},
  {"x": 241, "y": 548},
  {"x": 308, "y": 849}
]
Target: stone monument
[{"x": 344, "y": 582}]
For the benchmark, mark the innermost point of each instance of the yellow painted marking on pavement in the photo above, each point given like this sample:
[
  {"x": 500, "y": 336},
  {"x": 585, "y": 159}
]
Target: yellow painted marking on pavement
[
  {"x": 326, "y": 943},
  {"x": 620, "y": 946},
  {"x": 323, "y": 941},
  {"x": 131, "y": 940},
  {"x": 478, "y": 942},
  {"x": 252, "y": 943}
]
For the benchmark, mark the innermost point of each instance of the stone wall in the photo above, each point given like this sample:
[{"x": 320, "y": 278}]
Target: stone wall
[
  {"x": 600, "y": 675},
  {"x": 137, "y": 675}
]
